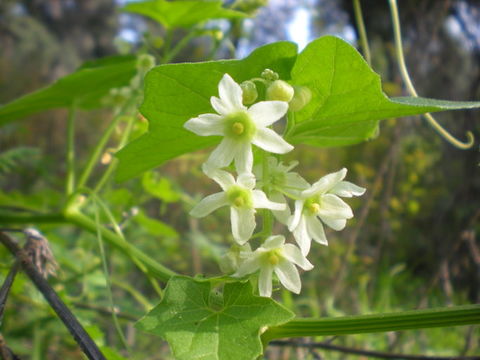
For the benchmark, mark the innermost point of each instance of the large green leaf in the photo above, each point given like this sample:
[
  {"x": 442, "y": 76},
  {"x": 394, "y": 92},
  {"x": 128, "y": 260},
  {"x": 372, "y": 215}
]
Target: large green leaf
[
  {"x": 173, "y": 14},
  {"x": 85, "y": 88},
  {"x": 175, "y": 93},
  {"x": 347, "y": 98},
  {"x": 201, "y": 323}
]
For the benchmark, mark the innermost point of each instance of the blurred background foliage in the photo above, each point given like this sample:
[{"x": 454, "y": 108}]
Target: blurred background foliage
[{"x": 412, "y": 244}]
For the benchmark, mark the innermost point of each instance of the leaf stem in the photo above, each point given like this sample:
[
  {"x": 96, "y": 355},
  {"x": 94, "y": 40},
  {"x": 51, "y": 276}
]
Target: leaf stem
[
  {"x": 359, "y": 324},
  {"x": 361, "y": 30},
  {"x": 70, "y": 178},
  {"x": 411, "y": 89}
]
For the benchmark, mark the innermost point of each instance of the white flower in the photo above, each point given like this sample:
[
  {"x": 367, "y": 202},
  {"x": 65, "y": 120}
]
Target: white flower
[
  {"x": 241, "y": 198},
  {"x": 280, "y": 181},
  {"x": 321, "y": 202},
  {"x": 275, "y": 256},
  {"x": 240, "y": 126}
]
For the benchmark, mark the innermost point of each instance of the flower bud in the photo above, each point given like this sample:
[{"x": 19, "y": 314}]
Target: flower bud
[
  {"x": 145, "y": 62},
  {"x": 280, "y": 90},
  {"x": 301, "y": 97},
  {"x": 249, "y": 92},
  {"x": 269, "y": 75}
]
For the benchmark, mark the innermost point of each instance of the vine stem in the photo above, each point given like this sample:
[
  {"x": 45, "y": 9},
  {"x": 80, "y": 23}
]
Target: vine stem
[
  {"x": 97, "y": 151},
  {"x": 411, "y": 89},
  {"x": 361, "y": 31},
  {"x": 359, "y": 324},
  {"x": 70, "y": 178},
  {"x": 153, "y": 267}
]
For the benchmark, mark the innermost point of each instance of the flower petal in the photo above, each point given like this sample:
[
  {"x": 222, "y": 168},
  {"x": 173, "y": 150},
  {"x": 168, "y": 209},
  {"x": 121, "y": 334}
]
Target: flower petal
[
  {"x": 294, "y": 255},
  {"x": 246, "y": 180},
  {"x": 206, "y": 125},
  {"x": 243, "y": 157},
  {"x": 335, "y": 224},
  {"x": 265, "y": 281},
  {"x": 221, "y": 177},
  {"x": 219, "y": 106},
  {"x": 325, "y": 183},
  {"x": 288, "y": 275},
  {"x": 294, "y": 180},
  {"x": 260, "y": 201},
  {"x": 231, "y": 93},
  {"x": 248, "y": 266},
  {"x": 273, "y": 242},
  {"x": 347, "y": 189},
  {"x": 265, "y": 113},
  {"x": 334, "y": 207},
  {"x": 281, "y": 215},
  {"x": 223, "y": 154},
  {"x": 296, "y": 215},
  {"x": 243, "y": 224},
  {"x": 209, "y": 204},
  {"x": 316, "y": 231},
  {"x": 269, "y": 140},
  {"x": 302, "y": 237}
]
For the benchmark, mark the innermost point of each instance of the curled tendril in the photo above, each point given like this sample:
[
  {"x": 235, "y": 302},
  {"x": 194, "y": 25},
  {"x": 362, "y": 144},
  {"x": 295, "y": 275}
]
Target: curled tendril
[{"x": 411, "y": 89}]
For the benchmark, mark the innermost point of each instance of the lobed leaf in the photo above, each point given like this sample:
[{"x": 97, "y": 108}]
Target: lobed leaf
[
  {"x": 347, "y": 97},
  {"x": 200, "y": 323},
  {"x": 346, "y": 106},
  {"x": 175, "y": 93}
]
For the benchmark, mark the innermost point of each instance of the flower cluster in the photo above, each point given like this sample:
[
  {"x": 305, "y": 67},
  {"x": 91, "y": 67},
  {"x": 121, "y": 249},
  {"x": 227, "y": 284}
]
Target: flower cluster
[{"x": 269, "y": 184}]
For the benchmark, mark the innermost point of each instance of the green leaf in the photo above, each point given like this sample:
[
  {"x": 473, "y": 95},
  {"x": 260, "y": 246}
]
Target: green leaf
[
  {"x": 347, "y": 99},
  {"x": 175, "y": 93},
  {"x": 200, "y": 323},
  {"x": 172, "y": 14},
  {"x": 154, "y": 226},
  {"x": 161, "y": 188},
  {"x": 85, "y": 88},
  {"x": 359, "y": 324}
]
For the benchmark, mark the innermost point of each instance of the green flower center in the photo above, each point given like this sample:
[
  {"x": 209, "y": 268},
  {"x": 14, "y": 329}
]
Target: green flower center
[
  {"x": 239, "y": 126},
  {"x": 272, "y": 257},
  {"x": 312, "y": 205},
  {"x": 278, "y": 178},
  {"x": 239, "y": 197}
]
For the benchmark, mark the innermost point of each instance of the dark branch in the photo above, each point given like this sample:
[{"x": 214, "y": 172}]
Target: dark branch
[
  {"x": 78, "y": 332},
  {"x": 372, "y": 354}
]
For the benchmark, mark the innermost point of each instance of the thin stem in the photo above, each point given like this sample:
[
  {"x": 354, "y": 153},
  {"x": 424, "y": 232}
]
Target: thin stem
[
  {"x": 84, "y": 340},
  {"x": 70, "y": 178},
  {"x": 369, "y": 353},
  {"x": 71, "y": 216},
  {"x": 6, "y": 286},
  {"x": 113, "y": 164},
  {"x": 361, "y": 30},
  {"x": 411, "y": 89},
  {"x": 405, "y": 320},
  {"x": 170, "y": 55},
  {"x": 97, "y": 151},
  {"x": 108, "y": 282},
  {"x": 140, "y": 258}
]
